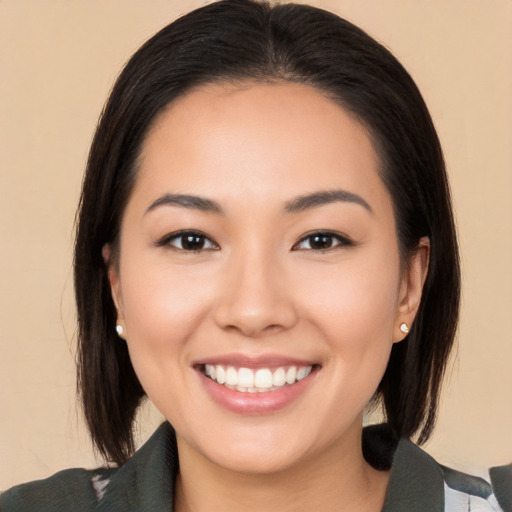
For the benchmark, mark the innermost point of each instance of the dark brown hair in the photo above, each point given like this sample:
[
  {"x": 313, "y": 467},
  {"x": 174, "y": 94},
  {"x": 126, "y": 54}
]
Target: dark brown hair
[{"x": 236, "y": 41}]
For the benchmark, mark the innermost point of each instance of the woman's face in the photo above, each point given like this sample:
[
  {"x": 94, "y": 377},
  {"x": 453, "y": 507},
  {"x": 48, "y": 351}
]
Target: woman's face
[{"x": 259, "y": 248}]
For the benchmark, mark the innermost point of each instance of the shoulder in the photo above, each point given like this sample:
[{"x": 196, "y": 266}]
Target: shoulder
[
  {"x": 419, "y": 483},
  {"x": 145, "y": 482},
  {"x": 450, "y": 489},
  {"x": 72, "y": 489},
  {"x": 501, "y": 479}
]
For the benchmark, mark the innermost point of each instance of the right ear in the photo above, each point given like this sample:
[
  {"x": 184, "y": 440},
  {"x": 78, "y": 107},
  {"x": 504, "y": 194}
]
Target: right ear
[{"x": 113, "y": 279}]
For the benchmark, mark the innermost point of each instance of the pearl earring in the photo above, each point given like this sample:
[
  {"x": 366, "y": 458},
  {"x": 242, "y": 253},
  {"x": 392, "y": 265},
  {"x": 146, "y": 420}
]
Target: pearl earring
[
  {"x": 404, "y": 328},
  {"x": 120, "y": 330}
]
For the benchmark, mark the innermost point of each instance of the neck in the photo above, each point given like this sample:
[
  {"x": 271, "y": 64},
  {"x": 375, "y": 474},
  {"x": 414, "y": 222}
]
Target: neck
[{"x": 338, "y": 480}]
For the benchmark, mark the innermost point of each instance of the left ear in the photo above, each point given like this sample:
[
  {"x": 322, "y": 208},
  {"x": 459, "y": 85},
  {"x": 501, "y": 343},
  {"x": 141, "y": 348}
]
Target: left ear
[{"x": 411, "y": 288}]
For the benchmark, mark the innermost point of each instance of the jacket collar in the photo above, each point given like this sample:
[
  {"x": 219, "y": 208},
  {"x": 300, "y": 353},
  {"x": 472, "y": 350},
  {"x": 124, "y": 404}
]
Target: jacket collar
[
  {"x": 146, "y": 481},
  {"x": 416, "y": 483}
]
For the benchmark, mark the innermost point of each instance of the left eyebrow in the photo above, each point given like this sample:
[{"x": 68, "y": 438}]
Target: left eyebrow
[
  {"x": 186, "y": 201},
  {"x": 305, "y": 202}
]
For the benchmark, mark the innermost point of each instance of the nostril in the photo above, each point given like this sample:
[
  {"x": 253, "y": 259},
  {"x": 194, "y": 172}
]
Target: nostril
[{"x": 253, "y": 330}]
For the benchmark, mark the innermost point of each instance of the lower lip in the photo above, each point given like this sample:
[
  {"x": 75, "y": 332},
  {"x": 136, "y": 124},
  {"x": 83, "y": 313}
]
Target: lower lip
[{"x": 255, "y": 403}]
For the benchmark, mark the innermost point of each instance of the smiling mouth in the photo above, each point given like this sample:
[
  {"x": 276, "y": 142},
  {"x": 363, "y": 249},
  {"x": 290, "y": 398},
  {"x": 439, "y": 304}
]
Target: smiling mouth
[{"x": 261, "y": 380}]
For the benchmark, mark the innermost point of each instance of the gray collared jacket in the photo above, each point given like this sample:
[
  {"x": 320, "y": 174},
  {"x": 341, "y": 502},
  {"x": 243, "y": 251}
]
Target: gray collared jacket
[{"x": 146, "y": 482}]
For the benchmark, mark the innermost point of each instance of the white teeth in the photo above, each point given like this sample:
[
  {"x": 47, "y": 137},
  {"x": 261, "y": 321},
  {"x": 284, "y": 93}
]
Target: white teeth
[
  {"x": 262, "y": 380},
  {"x": 291, "y": 374},
  {"x": 301, "y": 373},
  {"x": 279, "y": 377},
  {"x": 246, "y": 378},
  {"x": 231, "y": 376},
  {"x": 221, "y": 374}
]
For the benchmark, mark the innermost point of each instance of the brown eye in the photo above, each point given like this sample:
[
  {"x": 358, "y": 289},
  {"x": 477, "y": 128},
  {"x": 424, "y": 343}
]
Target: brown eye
[
  {"x": 321, "y": 241},
  {"x": 191, "y": 241}
]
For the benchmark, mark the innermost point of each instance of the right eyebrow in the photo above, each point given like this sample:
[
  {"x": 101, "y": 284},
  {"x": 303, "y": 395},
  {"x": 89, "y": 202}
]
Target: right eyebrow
[{"x": 186, "y": 201}]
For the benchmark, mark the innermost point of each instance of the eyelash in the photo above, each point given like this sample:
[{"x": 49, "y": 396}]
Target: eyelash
[
  {"x": 177, "y": 235},
  {"x": 341, "y": 241}
]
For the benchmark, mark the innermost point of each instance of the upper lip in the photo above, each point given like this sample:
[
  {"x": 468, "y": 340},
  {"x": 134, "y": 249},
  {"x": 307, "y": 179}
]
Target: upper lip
[{"x": 254, "y": 361}]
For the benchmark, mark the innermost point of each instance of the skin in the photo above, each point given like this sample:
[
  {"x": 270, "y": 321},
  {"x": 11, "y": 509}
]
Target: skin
[{"x": 258, "y": 288}]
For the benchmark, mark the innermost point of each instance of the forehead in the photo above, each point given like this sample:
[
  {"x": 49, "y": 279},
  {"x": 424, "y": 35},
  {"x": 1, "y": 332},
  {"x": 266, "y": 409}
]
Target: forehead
[{"x": 260, "y": 140}]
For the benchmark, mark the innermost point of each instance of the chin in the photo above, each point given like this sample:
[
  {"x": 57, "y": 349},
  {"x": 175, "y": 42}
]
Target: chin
[
  {"x": 249, "y": 451},
  {"x": 258, "y": 460}
]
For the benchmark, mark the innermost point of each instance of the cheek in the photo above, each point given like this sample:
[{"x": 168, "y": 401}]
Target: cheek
[
  {"x": 162, "y": 308},
  {"x": 354, "y": 301},
  {"x": 355, "y": 312},
  {"x": 161, "y": 296}
]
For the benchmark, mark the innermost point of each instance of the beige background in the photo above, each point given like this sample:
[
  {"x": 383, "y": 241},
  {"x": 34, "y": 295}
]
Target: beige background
[{"x": 58, "y": 59}]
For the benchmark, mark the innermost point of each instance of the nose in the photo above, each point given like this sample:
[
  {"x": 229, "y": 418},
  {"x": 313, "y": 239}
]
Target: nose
[{"x": 255, "y": 299}]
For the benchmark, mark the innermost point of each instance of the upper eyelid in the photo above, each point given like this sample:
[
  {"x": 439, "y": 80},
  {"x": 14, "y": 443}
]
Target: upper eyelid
[
  {"x": 334, "y": 234},
  {"x": 324, "y": 232}
]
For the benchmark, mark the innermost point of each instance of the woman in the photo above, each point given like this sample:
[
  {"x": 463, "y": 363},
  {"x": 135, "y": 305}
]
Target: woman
[{"x": 265, "y": 245}]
